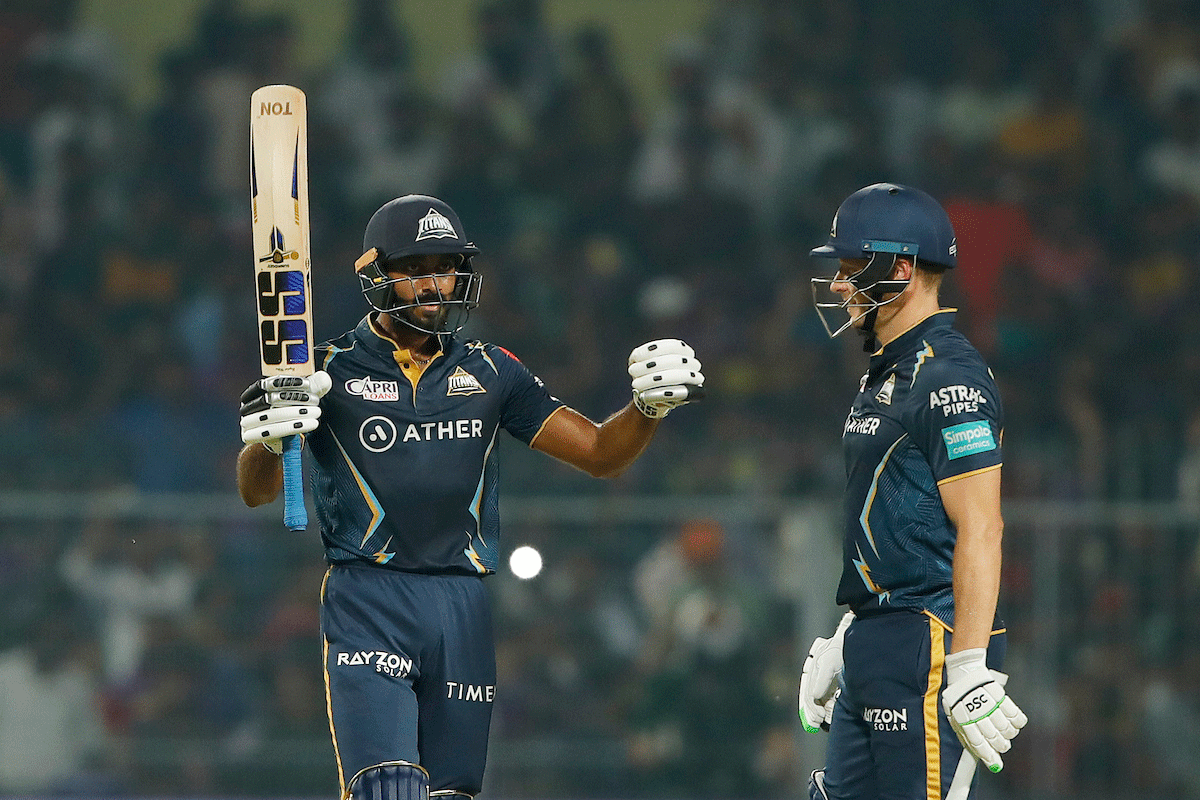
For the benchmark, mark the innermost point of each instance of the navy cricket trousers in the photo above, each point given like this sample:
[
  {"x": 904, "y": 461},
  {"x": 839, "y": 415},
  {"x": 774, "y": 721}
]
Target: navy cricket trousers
[
  {"x": 410, "y": 672},
  {"x": 889, "y": 738}
]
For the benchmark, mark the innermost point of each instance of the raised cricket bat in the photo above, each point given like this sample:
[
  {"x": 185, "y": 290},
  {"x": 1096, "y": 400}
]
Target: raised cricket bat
[{"x": 282, "y": 264}]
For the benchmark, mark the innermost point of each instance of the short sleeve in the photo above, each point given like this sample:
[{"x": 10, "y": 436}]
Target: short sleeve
[
  {"x": 527, "y": 402},
  {"x": 956, "y": 416}
]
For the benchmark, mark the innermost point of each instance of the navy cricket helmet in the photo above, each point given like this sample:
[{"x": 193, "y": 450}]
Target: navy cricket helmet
[
  {"x": 883, "y": 222},
  {"x": 891, "y": 218},
  {"x": 417, "y": 224}
]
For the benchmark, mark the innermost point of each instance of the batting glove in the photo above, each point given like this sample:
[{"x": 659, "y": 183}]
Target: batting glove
[
  {"x": 282, "y": 405},
  {"x": 819, "y": 679},
  {"x": 984, "y": 717},
  {"x": 665, "y": 375}
]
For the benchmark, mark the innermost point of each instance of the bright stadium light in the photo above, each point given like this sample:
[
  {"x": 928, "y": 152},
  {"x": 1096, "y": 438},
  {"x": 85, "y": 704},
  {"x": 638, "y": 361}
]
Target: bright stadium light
[{"x": 525, "y": 562}]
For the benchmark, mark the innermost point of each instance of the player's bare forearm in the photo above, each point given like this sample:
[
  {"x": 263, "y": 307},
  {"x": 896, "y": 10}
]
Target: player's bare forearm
[
  {"x": 259, "y": 475},
  {"x": 602, "y": 450},
  {"x": 623, "y": 438},
  {"x": 973, "y": 505},
  {"x": 976, "y": 586}
]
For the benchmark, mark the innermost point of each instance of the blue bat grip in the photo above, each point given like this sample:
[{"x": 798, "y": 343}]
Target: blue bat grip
[{"x": 295, "y": 515}]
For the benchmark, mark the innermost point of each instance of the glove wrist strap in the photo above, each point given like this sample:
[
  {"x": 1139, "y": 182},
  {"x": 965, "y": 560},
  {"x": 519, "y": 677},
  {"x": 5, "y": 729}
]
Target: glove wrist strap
[
  {"x": 653, "y": 412},
  {"x": 964, "y": 661}
]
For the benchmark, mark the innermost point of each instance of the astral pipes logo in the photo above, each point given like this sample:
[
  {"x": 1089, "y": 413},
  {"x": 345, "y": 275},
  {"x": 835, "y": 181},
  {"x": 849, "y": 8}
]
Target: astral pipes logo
[{"x": 968, "y": 438}]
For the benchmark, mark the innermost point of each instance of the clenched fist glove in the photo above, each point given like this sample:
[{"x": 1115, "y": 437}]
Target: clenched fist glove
[
  {"x": 981, "y": 713},
  {"x": 665, "y": 375},
  {"x": 819, "y": 679},
  {"x": 280, "y": 406}
]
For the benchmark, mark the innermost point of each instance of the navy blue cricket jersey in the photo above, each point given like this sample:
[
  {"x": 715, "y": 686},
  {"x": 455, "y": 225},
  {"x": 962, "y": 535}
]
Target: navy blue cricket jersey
[
  {"x": 407, "y": 472},
  {"x": 927, "y": 412}
]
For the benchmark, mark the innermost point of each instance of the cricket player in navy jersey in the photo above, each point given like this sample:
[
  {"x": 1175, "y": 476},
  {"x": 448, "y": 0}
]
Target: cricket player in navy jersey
[
  {"x": 402, "y": 421},
  {"x": 911, "y": 675}
]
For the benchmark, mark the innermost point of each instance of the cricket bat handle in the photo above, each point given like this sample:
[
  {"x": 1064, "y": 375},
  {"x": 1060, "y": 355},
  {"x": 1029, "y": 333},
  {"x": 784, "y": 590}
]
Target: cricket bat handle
[
  {"x": 964, "y": 774},
  {"x": 295, "y": 515}
]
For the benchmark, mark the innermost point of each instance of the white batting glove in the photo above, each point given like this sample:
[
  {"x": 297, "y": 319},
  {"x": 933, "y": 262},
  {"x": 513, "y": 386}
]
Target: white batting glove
[
  {"x": 981, "y": 713},
  {"x": 280, "y": 406},
  {"x": 666, "y": 374},
  {"x": 819, "y": 679}
]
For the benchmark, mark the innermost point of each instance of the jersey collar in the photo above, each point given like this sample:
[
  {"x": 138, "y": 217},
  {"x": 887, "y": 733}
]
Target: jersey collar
[
  {"x": 374, "y": 339},
  {"x": 910, "y": 340}
]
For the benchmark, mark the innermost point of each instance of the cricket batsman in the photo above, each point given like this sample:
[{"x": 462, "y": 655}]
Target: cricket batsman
[
  {"x": 909, "y": 685},
  {"x": 402, "y": 421}
]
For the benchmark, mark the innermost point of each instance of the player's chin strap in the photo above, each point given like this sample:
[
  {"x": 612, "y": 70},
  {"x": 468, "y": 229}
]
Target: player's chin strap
[
  {"x": 876, "y": 293},
  {"x": 870, "y": 341},
  {"x": 460, "y": 322}
]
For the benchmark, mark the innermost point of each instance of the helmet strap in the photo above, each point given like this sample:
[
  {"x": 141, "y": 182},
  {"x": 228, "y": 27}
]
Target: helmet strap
[
  {"x": 452, "y": 325},
  {"x": 400, "y": 320},
  {"x": 868, "y": 326}
]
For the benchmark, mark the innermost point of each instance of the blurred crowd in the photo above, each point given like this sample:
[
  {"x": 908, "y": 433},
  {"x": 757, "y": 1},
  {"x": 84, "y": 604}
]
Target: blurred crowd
[{"x": 1063, "y": 137}]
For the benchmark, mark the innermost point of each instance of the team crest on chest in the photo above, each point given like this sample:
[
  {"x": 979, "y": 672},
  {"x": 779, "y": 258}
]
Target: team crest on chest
[{"x": 462, "y": 382}]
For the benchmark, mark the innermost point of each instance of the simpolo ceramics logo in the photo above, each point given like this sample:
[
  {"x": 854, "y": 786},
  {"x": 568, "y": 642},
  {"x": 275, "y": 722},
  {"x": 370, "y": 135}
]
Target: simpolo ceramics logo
[{"x": 968, "y": 439}]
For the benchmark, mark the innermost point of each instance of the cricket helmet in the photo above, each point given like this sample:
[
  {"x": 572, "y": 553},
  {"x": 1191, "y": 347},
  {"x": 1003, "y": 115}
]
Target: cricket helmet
[
  {"x": 417, "y": 224},
  {"x": 883, "y": 222},
  {"x": 891, "y": 218}
]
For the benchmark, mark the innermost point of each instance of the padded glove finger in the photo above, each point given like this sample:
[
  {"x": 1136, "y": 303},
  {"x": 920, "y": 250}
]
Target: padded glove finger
[
  {"x": 278, "y": 390},
  {"x": 661, "y": 347},
  {"x": 663, "y": 363},
  {"x": 670, "y": 377},
  {"x": 275, "y": 423},
  {"x": 672, "y": 396}
]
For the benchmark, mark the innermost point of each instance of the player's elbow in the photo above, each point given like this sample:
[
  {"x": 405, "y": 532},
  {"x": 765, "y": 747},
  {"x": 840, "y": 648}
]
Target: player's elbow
[
  {"x": 259, "y": 475},
  {"x": 255, "y": 493},
  {"x": 604, "y": 473},
  {"x": 253, "y": 498},
  {"x": 600, "y": 467},
  {"x": 611, "y": 471}
]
